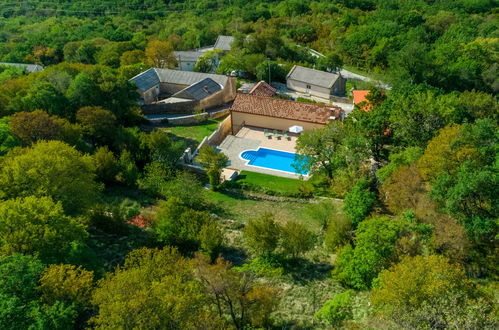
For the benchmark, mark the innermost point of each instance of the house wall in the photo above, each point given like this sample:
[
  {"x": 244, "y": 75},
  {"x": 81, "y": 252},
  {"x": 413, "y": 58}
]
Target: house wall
[
  {"x": 186, "y": 65},
  {"x": 240, "y": 119},
  {"x": 339, "y": 87},
  {"x": 227, "y": 94},
  {"x": 170, "y": 89},
  {"x": 150, "y": 95},
  {"x": 301, "y": 87}
]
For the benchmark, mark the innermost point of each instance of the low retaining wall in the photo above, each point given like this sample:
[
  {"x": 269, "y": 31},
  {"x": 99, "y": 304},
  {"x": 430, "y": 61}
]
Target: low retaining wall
[{"x": 189, "y": 119}]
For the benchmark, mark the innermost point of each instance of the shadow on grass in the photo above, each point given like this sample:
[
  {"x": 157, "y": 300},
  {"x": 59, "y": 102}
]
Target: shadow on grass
[
  {"x": 237, "y": 256},
  {"x": 303, "y": 271}
]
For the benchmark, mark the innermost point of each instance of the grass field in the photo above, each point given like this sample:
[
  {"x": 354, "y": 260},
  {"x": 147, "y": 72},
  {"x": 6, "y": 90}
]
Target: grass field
[
  {"x": 269, "y": 184},
  {"x": 194, "y": 134}
]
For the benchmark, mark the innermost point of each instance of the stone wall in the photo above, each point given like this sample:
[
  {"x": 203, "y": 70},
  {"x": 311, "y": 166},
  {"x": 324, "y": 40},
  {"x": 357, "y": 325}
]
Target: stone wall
[{"x": 186, "y": 108}]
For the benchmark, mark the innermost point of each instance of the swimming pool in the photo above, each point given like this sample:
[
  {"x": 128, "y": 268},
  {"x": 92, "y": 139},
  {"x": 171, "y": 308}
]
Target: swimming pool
[{"x": 274, "y": 160}]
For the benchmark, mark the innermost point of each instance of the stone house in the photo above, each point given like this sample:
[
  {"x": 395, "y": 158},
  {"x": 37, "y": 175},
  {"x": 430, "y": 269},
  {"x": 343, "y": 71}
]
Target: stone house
[{"x": 316, "y": 83}]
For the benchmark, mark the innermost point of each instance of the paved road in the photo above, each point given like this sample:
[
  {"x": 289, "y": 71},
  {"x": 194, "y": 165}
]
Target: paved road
[{"x": 350, "y": 75}]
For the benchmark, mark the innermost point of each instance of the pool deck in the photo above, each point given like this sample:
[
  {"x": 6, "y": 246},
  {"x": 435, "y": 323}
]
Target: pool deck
[{"x": 249, "y": 138}]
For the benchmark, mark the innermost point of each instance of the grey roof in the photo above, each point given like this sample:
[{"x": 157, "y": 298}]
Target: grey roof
[
  {"x": 223, "y": 42},
  {"x": 146, "y": 80},
  {"x": 199, "y": 90},
  {"x": 312, "y": 76},
  {"x": 187, "y": 77},
  {"x": 187, "y": 56},
  {"x": 29, "y": 67},
  {"x": 152, "y": 77}
]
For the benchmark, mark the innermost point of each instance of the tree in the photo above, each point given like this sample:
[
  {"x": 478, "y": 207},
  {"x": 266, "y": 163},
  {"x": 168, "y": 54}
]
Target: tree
[
  {"x": 331, "y": 62},
  {"x": 161, "y": 292},
  {"x": 405, "y": 157},
  {"x": 20, "y": 305},
  {"x": 30, "y": 127},
  {"x": 66, "y": 283},
  {"x": 444, "y": 153},
  {"x": 429, "y": 291},
  {"x": 106, "y": 165},
  {"x": 237, "y": 295},
  {"x": 208, "y": 62},
  {"x": 338, "y": 234},
  {"x": 296, "y": 238},
  {"x": 337, "y": 310},
  {"x": 359, "y": 202},
  {"x": 320, "y": 145},
  {"x": 98, "y": 123},
  {"x": 178, "y": 225},
  {"x": 358, "y": 266},
  {"x": 7, "y": 139},
  {"x": 322, "y": 212},
  {"x": 50, "y": 169},
  {"x": 163, "y": 149},
  {"x": 403, "y": 189},
  {"x": 211, "y": 239},
  {"x": 213, "y": 161},
  {"x": 34, "y": 225},
  {"x": 129, "y": 173},
  {"x": 159, "y": 54},
  {"x": 270, "y": 70},
  {"x": 262, "y": 234}
]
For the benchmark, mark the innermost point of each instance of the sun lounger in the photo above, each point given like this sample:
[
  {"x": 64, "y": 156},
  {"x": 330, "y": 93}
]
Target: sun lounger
[
  {"x": 266, "y": 133},
  {"x": 285, "y": 135},
  {"x": 276, "y": 134}
]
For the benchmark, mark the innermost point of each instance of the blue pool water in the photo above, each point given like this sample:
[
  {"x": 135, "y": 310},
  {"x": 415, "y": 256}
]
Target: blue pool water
[{"x": 274, "y": 160}]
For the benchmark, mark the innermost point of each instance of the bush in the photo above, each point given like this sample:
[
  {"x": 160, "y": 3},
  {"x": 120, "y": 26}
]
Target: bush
[
  {"x": 262, "y": 234},
  {"x": 359, "y": 202},
  {"x": 337, "y": 310}
]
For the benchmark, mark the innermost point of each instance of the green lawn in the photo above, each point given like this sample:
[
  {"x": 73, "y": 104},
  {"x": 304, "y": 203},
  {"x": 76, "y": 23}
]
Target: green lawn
[
  {"x": 273, "y": 185},
  {"x": 242, "y": 209},
  {"x": 194, "y": 134}
]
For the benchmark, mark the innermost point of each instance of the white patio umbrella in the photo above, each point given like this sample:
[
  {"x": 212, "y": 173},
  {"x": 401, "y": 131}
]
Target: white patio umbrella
[{"x": 296, "y": 129}]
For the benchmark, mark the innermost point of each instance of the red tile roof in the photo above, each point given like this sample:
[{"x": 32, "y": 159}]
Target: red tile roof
[
  {"x": 278, "y": 108},
  {"x": 359, "y": 97},
  {"x": 263, "y": 89}
]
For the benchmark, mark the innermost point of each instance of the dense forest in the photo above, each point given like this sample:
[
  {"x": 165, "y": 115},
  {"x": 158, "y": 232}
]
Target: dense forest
[{"x": 396, "y": 228}]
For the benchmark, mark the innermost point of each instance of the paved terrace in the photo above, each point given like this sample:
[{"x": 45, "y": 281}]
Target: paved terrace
[{"x": 250, "y": 138}]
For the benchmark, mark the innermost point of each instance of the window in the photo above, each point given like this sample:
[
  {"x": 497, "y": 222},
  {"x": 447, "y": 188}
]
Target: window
[{"x": 308, "y": 87}]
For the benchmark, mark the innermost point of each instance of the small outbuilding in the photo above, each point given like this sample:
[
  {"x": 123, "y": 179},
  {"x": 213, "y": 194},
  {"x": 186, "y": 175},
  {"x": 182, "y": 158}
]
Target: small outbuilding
[{"x": 316, "y": 83}]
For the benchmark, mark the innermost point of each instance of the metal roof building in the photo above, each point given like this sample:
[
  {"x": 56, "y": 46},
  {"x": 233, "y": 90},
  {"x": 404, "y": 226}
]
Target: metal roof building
[
  {"x": 154, "y": 76},
  {"x": 224, "y": 43},
  {"x": 312, "y": 76},
  {"x": 29, "y": 67},
  {"x": 199, "y": 90}
]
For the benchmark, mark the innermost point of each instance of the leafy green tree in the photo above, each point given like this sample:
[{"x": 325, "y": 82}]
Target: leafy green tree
[
  {"x": 262, "y": 234},
  {"x": 7, "y": 139},
  {"x": 132, "y": 57},
  {"x": 211, "y": 239},
  {"x": 178, "y": 225},
  {"x": 270, "y": 70},
  {"x": 359, "y": 201},
  {"x": 29, "y": 127},
  {"x": 213, "y": 161},
  {"x": 338, "y": 234},
  {"x": 296, "y": 239},
  {"x": 337, "y": 310},
  {"x": 429, "y": 290},
  {"x": 106, "y": 165},
  {"x": 98, "y": 123},
  {"x": 20, "y": 305},
  {"x": 129, "y": 173},
  {"x": 34, "y": 225},
  {"x": 161, "y": 293},
  {"x": 66, "y": 283},
  {"x": 42, "y": 95},
  {"x": 208, "y": 61},
  {"x": 331, "y": 62},
  {"x": 163, "y": 149},
  {"x": 322, "y": 212},
  {"x": 159, "y": 54},
  {"x": 375, "y": 241},
  {"x": 50, "y": 169},
  {"x": 405, "y": 157}
]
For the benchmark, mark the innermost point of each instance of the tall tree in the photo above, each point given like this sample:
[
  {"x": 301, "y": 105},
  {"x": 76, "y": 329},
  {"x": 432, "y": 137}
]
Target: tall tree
[
  {"x": 159, "y": 54},
  {"x": 50, "y": 169}
]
